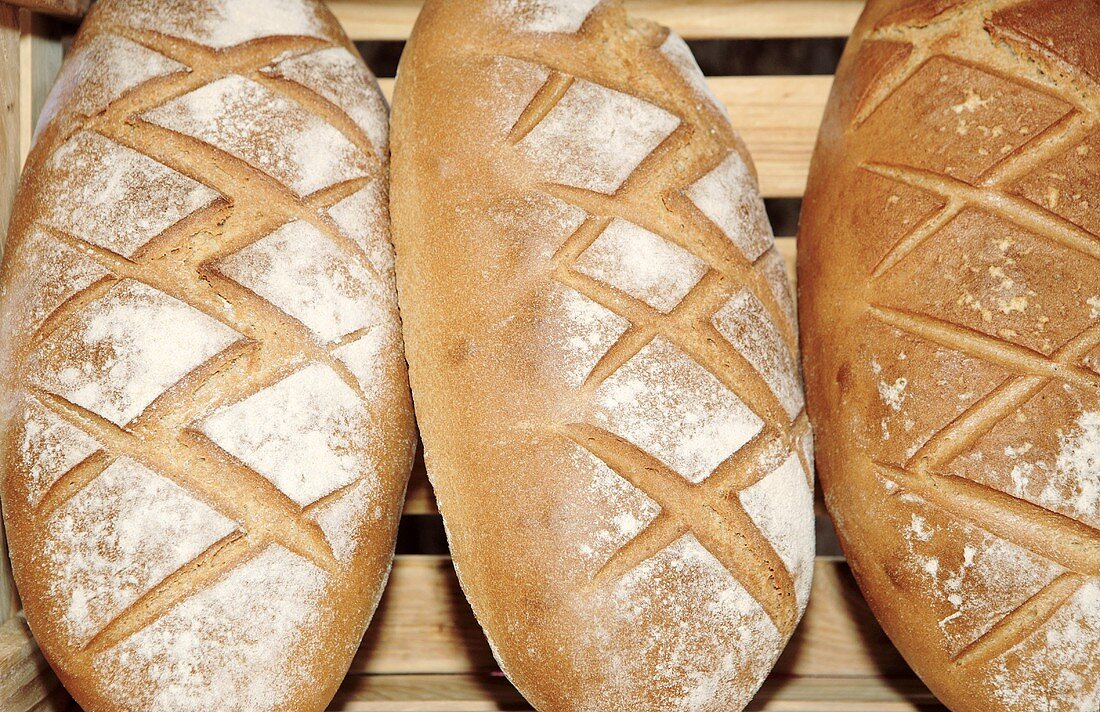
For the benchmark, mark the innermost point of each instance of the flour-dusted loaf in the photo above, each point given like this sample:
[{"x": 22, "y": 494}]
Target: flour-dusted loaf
[
  {"x": 949, "y": 272},
  {"x": 603, "y": 356},
  {"x": 206, "y": 413}
]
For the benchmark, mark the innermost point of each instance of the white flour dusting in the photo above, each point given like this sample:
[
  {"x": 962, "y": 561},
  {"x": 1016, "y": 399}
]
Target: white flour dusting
[
  {"x": 782, "y": 505},
  {"x": 611, "y": 511},
  {"x": 514, "y": 83},
  {"x": 1077, "y": 472},
  {"x": 689, "y": 630},
  {"x": 678, "y": 52},
  {"x": 1058, "y": 668},
  {"x": 579, "y": 331},
  {"x": 118, "y": 538},
  {"x": 368, "y": 356},
  {"x": 342, "y": 520},
  {"x": 642, "y": 264},
  {"x": 304, "y": 433},
  {"x": 99, "y": 71},
  {"x": 303, "y": 273},
  {"x": 49, "y": 447},
  {"x": 122, "y": 351},
  {"x": 748, "y": 326},
  {"x": 595, "y": 137},
  {"x": 729, "y": 197},
  {"x": 234, "y": 647},
  {"x": 561, "y": 16},
  {"x": 270, "y": 132},
  {"x": 364, "y": 217},
  {"x": 674, "y": 409},
  {"x": 224, "y": 23},
  {"x": 973, "y": 578},
  {"x": 114, "y": 197},
  {"x": 43, "y": 273},
  {"x": 343, "y": 79}
]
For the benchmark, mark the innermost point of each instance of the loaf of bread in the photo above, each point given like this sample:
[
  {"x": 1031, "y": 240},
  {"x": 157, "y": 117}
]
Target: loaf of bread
[
  {"x": 603, "y": 356},
  {"x": 949, "y": 272},
  {"x": 206, "y": 409},
  {"x": 64, "y": 8}
]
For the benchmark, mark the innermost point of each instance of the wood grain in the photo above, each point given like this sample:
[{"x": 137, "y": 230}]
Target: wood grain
[
  {"x": 730, "y": 19},
  {"x": 10, "y": 160},
  {"x": 40, "y": 54},
  {"x": 26, "y": 681},
  {"x": 778, "y": 119}
]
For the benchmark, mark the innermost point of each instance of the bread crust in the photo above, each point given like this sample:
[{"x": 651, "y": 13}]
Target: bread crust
[
  {"x": 947, "y": 264},
  {"x": 602, "y": 353},
  {"x": 207, "y": 423}
]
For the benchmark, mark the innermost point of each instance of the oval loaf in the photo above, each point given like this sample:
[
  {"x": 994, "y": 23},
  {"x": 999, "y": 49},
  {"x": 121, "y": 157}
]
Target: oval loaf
[
  {"x": 603, "y": 355},
  {"x": 207, "y": 421},
  {"x": 949, "y": 272}
]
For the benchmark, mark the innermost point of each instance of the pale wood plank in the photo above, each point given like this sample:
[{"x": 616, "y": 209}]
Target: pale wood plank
[
  {"x": 694, "y": 19},
  {"x": 26, "y": 681},
  {"x": 475, "y": 693},
  {"x": 420, "y": 500},
  {"x": 40, "y": 53},
  {"x": 424, "y": 625},
  {"x": 777, "y": 117},
  {"x": 9, "y": 181}
]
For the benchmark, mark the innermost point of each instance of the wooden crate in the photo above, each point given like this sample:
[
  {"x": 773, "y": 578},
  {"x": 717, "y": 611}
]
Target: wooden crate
[{"x": 424, "y": 651}]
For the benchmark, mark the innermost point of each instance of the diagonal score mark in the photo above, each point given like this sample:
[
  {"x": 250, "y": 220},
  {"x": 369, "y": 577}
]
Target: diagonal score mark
[
  {"x": 981, "y": 417},
  {"x": 196, "y": 575},
  {"x": 1033, "y": 218},
  {"x": 1069, "y": 543},
  {"x": 203, "y": 477},
  {"x": 985, "y": 347},
  {"x": 542, "y": 103},
  {"x": 724, "y": 529},
  {"x": 72, "y": 482},
  {"x": 916, "y": 237},
  {"x": 740, "y": 470},
  {"x": 716, "y": 355},
  {"x": 1022, "y": 622}
]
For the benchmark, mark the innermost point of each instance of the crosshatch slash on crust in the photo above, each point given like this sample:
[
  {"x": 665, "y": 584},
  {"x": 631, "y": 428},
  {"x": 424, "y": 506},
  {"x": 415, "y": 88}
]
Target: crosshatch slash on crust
[{"x": 1047, "y": 534}]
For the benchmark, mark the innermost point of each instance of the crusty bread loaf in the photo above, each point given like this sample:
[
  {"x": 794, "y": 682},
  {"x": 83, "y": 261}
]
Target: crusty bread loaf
[
  {"x": 949, "y": 295},
  {"x": 206, "y": 409},
  {"x": 64, "y": 8},
  {"x": 602, "y": 351}
]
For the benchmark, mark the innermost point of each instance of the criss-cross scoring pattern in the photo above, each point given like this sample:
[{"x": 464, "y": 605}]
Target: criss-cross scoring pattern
[
  {"x": 1007, "y": 53},
  {"x": 693, "y": 302},
  {"x": 188, "y": 367}
]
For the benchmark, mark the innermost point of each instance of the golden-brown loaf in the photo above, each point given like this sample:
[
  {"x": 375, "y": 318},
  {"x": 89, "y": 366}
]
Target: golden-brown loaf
[
  {"x": 602, "y": 350},
  {"x": 206, "y": 413},
  {"x": 949, "y": 301}
]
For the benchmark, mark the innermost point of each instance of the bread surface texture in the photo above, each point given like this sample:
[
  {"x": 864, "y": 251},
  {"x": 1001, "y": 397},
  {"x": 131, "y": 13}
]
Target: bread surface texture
[
  {"x": 603, "y": 356},
  {"x": 948, "y": 289},
  {"x": 207, "y": 423}
]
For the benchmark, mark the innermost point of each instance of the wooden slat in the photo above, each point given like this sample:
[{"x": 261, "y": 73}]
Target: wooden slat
[
  {"x": 26, "y": 681},
  {"x": 424, "y": 625},
  {"x": 778, "y": 118},
  {"x": 419, "y": 498},
  {"x": 40, "y": 54},
  {"x": 475, "y": 693},
  {"x": 9, "y": 181},
  {"x": 693, "y": 19}
]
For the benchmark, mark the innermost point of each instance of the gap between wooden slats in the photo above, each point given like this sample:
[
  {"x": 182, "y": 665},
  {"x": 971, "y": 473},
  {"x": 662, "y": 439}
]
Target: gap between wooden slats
[
  {"x": 693, "y": 19},
  {"x": 778, "y": 119}
]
